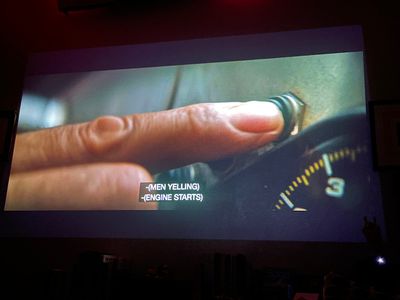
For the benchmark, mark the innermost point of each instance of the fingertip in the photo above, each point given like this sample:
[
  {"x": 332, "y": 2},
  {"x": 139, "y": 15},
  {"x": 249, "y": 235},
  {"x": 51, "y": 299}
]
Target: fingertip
[
  {"x": 133, "y": 171},
  {"x": 126, "y": 180}
]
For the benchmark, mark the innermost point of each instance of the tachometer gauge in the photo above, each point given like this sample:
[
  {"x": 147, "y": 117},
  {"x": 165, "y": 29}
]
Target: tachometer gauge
[
  {"x": 325, "y": 166},
  {"x": 317, "y": 184}
]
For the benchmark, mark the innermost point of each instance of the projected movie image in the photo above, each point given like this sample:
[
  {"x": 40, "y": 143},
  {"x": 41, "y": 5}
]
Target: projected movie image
[{"x": 265, "y": 142}]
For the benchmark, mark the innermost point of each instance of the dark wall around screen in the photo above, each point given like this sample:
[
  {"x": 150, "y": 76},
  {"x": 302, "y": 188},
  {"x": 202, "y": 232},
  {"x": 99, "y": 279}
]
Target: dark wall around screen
[{"x": 35, "y": 26}]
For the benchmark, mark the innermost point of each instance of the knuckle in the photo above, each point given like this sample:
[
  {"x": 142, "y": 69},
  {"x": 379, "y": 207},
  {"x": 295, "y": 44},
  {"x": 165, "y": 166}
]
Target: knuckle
[{"x": 200, "y": 117}]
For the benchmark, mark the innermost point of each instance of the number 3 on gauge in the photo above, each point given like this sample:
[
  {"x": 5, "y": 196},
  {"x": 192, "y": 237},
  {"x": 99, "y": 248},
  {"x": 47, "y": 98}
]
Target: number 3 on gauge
[{"x": 335, "y": 187}]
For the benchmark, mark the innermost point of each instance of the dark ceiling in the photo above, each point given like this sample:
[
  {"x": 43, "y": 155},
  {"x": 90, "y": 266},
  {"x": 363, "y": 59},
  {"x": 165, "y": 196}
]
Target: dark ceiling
[{"x": 32, "y": 26}]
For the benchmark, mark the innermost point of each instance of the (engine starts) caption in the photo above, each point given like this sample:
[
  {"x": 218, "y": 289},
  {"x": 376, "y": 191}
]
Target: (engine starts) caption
[{"x": 156, "y": 192}]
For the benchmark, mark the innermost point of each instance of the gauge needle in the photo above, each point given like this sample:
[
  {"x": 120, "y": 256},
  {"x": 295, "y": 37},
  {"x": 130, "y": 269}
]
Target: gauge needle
[
  {"x": 287, "y": 200},
  {"x": 299, "y": 209}
]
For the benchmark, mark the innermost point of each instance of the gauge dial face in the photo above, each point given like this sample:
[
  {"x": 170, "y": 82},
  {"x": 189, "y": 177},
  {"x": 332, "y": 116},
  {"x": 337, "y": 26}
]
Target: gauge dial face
[
  {"x": 332, "y": 176},
  {"x": 318, "y": 185}
]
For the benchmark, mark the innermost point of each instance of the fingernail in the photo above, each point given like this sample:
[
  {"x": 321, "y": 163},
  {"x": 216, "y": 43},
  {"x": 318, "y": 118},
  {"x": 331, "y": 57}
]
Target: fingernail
[{"x": 256, "y": 116}]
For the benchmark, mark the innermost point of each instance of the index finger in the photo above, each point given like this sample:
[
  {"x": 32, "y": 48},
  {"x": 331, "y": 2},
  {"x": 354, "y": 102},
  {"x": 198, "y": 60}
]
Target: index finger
[{"x": 158, "y": 140}]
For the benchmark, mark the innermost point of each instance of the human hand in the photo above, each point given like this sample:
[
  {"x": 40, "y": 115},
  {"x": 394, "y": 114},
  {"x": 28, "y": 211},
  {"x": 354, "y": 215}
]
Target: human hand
[{"x": 99, "y": 165}]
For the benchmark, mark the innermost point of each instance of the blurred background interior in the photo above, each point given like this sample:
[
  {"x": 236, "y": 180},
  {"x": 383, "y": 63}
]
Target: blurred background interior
[{"x": 327, "y": 83}]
